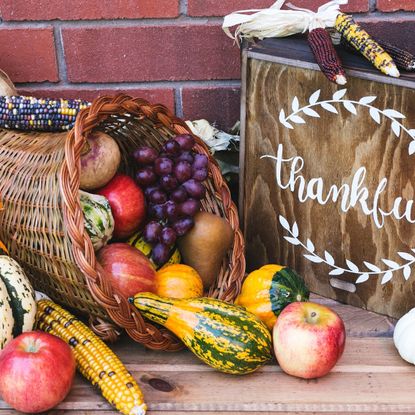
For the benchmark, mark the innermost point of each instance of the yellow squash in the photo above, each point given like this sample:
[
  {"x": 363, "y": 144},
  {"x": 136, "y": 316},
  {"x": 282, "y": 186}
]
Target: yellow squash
[{"x": 268, "y": 290}]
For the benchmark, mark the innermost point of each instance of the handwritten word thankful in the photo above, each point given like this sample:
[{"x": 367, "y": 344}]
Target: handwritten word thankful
[{"x": 348, "y": 195}]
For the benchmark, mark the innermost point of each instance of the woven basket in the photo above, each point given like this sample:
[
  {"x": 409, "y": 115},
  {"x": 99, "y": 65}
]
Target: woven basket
[{"x": 42, "y": 222}]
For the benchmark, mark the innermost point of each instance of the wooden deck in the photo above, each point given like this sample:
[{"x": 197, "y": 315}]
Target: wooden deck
[{"x": 370, "y": 378}]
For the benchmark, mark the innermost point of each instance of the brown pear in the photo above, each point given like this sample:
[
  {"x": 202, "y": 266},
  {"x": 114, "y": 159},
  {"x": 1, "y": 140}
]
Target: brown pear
[{"x": 206, "y": 244}]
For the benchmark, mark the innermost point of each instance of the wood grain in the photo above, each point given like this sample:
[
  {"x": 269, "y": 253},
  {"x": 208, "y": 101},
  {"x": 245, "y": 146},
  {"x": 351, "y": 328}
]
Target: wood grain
[
  {"x": 333, "y": 147},
  {"x": 358, "y": 384}
]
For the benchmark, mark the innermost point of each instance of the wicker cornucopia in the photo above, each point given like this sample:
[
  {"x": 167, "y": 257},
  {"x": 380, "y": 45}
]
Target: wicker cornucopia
[{"x": 42, "y": 223}]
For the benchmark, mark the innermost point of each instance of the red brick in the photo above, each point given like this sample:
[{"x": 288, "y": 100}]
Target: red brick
[
  {"x": 395, "y": 5},
  {"x": 149, "y": 53},
  {"x": 163, "y": 96},
  {"x": 86, "y": 10},
  {"x": 397, "y": 31},
  {"x": 221, "y": 7},
  {"x": 28, "y": 55},
  {"x": 217, "y": 105}
]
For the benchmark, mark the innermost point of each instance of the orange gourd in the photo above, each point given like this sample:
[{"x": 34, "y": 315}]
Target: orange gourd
[{"x": 178, "y": 281}]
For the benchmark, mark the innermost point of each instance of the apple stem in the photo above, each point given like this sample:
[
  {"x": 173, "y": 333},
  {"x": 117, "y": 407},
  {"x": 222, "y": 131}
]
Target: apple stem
[{"x": 313, "y": 314}]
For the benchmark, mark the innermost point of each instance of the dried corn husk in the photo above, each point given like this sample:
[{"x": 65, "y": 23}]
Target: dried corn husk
[
  {"x": 6, "y": 85},
  {"x": 274, "y": 22}
]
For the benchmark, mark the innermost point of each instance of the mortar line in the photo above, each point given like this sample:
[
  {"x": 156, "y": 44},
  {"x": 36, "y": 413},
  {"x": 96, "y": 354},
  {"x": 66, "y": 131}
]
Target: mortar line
[
  {"x": 60, "y": 54},
  {"x": 178, "y": 102},
  {"x": 231, "y": 83},
  {"x": 182, "y": 19}
]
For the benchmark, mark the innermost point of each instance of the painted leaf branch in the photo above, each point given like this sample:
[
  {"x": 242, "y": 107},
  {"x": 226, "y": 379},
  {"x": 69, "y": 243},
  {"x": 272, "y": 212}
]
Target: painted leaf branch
[
  {"x": 352, "y": 268},
  {"x": 350, "y": 105}
]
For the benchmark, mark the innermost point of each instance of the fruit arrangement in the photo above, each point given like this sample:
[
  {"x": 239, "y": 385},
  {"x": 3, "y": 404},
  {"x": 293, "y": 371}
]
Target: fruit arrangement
[{"x": 142, "y": 228}]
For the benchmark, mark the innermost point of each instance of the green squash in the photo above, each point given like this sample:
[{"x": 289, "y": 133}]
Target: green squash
[
  {"x": 98, "y": 219},
  {"x": 223, "y": 335},
  {"x": 268, "y": 290}
]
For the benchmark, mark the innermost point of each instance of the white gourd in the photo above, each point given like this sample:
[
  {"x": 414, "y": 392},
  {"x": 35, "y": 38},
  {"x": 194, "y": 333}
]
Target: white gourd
[{"x": 404, "y": 336}]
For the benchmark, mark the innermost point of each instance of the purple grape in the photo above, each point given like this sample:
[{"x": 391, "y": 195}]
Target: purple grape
[
  {"x": 182, "y": 226},
  {"x": 179, "y": 195},
  {"x": 163, "y": 165},
  {"x": 157, "y": 212},
  {"x": 150, "y": 189},
  {"x": 168, "y": 236},
  {"x": 152, "y": 232},
  {"x": 200, "y": 174},
  {"x": 160, "y": 253},
  {"x": 186, "y": 156},
  {"x": 200, "y": 161},
  {"x": 145, "y": 176},
  {"x": 172, "y": 210},
  {"x": 171, "y": 147},
  {"x": 186, "y": 141},
  {"x": 195, "y": 189},
  {"x": 158, "y": 197},
  {"x": 190, "y": 207},
  {"x": 145, "y": 155},
  {"x": 183, "y": 171},
  {"x": 168, "y": 182}
]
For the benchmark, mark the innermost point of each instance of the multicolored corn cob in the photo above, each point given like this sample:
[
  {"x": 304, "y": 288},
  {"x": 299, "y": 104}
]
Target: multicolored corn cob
[
  {"x": 403, "y": 59},
  {"x": 365, "y": 44},
  {"x": 43, "y": 114},
  {"x": 326, "y": 56},
  {"x": 94, "y": 359}
]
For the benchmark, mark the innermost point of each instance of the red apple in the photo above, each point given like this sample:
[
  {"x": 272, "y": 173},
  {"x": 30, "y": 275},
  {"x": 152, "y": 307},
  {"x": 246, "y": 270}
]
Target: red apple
[
  {"x": 36, "y": 372},
  {"x": 127, "y": 204},
  {"x": 308, "y": 339},
  {"x": 129, "y": 270}
]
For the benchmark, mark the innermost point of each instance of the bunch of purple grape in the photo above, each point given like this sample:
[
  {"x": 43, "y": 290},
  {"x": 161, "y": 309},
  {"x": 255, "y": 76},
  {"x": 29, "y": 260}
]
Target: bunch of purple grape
[{"x": 172, "y": 181}]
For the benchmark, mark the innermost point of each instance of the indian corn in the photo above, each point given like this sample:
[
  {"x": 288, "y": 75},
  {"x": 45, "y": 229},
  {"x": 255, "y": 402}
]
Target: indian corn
[
  {"x": 365, "y": 44},
  {"x": 326, "y": 56},
  {"x": 43, "y": 114},
  {"x": 95, "y": 360},
  {"x": 403, "y": 59}
]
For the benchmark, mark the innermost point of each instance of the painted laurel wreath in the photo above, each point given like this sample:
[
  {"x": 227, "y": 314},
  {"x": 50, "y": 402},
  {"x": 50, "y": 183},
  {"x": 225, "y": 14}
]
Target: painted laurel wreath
[
  {"x": 352, "y": 268},
  {"x": 350, "y": 105},
  {"x": 397, "y": 127}
]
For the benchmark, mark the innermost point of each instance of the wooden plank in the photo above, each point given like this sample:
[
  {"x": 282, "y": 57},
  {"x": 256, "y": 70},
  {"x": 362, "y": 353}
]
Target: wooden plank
[
  {"x": 179, "y": 382},
  {"x": 330, "y": 149},
  {"x": 294, "y": 51},
  {"x": 358, "y": 322}
]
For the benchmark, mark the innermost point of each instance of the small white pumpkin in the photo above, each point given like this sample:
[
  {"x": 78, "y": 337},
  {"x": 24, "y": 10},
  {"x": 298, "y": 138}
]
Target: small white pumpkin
[{"x": 404, "y": 336}]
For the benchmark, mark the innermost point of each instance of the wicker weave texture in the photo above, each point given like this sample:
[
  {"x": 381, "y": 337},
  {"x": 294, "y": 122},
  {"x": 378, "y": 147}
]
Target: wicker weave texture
[{"x": 42, "y": 222}]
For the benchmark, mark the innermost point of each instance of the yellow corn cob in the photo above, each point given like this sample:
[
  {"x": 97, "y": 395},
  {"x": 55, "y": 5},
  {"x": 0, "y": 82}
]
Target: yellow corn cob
[
  {"x": 95, "y": 360},
  {"x": 365, "y": 44}
]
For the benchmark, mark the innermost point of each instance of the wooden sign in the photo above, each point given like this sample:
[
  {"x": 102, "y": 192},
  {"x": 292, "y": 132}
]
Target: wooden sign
[{"x": 328, "y": 175}]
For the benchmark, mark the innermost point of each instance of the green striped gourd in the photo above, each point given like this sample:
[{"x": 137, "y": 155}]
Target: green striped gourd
[
  {"x": 224, "y": 336},
  {"x": 98, "y": 219},
  {"x": 6, "y": 316},
  {"x": 21, "y": 295}
]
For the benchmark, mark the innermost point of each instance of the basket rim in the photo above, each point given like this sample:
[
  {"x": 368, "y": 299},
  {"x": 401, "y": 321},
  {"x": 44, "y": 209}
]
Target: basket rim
[{"x": 121, "y": 312}]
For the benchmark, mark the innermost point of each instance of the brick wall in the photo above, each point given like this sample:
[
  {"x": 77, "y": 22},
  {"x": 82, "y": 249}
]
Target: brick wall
[{"x": 168, "y": 51}]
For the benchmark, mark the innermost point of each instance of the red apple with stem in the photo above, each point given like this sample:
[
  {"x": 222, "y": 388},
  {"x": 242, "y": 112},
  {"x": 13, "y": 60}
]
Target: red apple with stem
[
  {"x": 127, "y": 203},
  {"x": 308, "y": 339},
  {"x": 128, "y": 269},
  {"x": 36, "y": 372}
]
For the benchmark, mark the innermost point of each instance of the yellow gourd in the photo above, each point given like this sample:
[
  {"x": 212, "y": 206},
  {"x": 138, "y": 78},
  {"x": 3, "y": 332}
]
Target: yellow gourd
[
  {"x": 266, "y": 291},
  {"x": 178, "y": 281}
]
